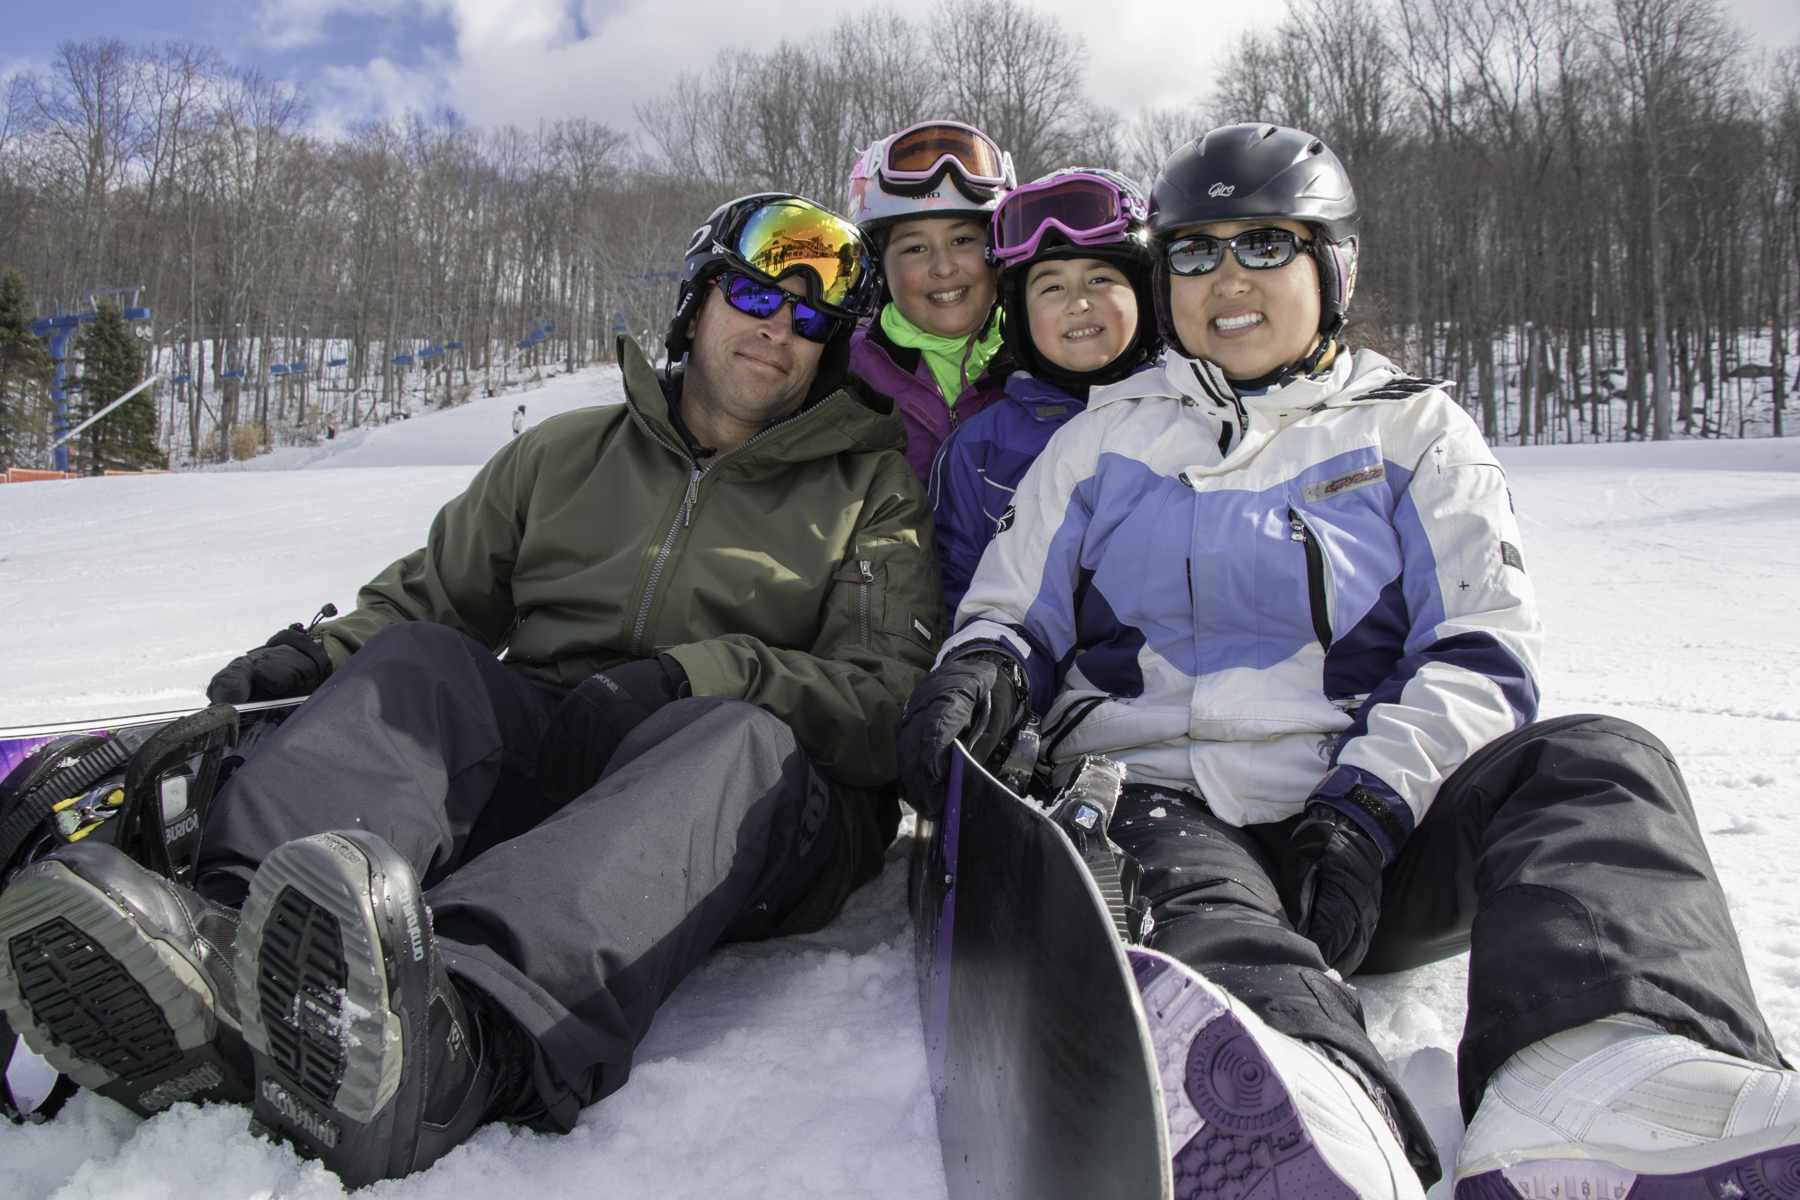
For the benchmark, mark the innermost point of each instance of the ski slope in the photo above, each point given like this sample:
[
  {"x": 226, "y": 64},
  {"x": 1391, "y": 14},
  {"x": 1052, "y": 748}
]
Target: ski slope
[{"x": 795, "y": 1069}]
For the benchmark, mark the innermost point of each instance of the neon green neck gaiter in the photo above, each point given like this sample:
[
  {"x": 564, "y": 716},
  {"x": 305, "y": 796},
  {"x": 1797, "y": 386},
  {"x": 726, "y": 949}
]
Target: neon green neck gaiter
[{"x": 943, "y": 356}]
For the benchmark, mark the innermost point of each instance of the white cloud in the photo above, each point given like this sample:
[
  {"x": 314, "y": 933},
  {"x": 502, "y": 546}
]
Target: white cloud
[{"x": 521, "y": 61}]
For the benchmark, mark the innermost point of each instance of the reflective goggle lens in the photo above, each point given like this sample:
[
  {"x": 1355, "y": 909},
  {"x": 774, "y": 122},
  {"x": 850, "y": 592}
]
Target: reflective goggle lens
[
  {"x": 1255, "y": 250},
  {"x": 779, "y": 238},
  {"x": 920, "y": 150},
  {"x": 1079, "y": 205},
  {"x": 754, "y": 298}
]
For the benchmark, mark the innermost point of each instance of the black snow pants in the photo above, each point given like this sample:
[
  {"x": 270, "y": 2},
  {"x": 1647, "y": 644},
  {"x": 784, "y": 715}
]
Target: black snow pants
[
  {"x": 709, "y": 825},
  {"x": 1565, "y": 856}
]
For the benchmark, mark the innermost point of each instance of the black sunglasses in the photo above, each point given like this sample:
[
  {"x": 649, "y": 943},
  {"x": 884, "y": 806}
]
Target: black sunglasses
[
  {"x": 754, "y": 298},
  {"x": 1255, "y": 250}
]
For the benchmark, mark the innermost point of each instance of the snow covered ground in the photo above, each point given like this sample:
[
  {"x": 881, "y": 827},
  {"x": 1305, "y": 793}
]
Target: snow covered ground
[{"x": 795, "y": 1069}]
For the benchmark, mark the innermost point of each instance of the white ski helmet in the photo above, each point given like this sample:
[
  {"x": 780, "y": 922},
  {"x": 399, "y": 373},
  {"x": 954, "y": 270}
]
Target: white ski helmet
[{"x": 931, "y": 169}]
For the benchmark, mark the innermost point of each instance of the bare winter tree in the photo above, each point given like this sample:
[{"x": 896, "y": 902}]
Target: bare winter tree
[
  {"x": 1660, "y": 51},
  {"x": 1588, "y": 216}
]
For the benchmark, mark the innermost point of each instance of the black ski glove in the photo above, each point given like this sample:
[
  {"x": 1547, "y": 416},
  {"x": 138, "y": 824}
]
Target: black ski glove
[
  {"x": 976, "y": 697},
  {"x": 1331, "y": 885},
  {"x": 288, "y": 664},
  {"x": 592, "y": 720}
]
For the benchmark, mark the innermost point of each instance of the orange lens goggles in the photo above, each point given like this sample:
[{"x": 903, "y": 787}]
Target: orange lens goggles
[{"x": 916, "y": 154}]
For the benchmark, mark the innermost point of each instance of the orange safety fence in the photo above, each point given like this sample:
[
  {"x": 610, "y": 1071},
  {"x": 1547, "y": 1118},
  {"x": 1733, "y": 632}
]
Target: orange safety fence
[{"x": 31, "y": 475}]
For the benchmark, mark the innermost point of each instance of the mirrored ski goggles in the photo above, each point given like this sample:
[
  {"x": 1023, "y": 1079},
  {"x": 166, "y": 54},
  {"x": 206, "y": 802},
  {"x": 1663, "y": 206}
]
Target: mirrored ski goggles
[
  {"x": 1255, "y": 250},
  {"x": 1086, "y": 210},
  {"x": 919, "y": 153},
  {"x": 786, "y": 235},
  {"x": 754, "y": 298}
]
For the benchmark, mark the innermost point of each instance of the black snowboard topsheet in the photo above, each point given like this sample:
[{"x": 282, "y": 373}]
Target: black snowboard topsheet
[{"x": 1040, "y": 1056}]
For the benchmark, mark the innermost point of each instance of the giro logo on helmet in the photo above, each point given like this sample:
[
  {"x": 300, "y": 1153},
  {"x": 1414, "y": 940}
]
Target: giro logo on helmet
[{"x": 1221, "y": 189}]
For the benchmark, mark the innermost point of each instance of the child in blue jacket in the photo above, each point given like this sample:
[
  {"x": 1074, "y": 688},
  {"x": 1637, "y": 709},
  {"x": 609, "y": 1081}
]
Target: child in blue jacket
[{"x": 1075, "y": 291}]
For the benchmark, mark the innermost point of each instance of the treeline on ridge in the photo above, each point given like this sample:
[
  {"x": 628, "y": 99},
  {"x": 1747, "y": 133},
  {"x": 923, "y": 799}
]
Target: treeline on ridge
[{"x": 1585, "y": 211}]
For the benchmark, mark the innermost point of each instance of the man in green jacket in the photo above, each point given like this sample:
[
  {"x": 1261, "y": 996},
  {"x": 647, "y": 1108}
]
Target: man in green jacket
[{"x": 634, "y": 697}]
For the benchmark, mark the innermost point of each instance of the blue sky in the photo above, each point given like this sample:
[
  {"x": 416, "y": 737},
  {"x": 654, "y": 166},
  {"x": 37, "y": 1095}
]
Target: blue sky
[{"x": 516, "y": 61}]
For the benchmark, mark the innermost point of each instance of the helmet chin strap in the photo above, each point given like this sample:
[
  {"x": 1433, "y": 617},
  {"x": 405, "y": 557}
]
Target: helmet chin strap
[{"x": 1293, "y": 370}]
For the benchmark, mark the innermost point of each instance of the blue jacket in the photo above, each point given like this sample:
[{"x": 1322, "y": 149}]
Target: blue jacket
[
  {"x": 981, "y": 462},
  {"x": 1316, "y": 592}
]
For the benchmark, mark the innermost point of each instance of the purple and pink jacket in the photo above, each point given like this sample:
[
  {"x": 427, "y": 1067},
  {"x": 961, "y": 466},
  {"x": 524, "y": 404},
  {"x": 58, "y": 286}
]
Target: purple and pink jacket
[{"x": 901, "y": 372}]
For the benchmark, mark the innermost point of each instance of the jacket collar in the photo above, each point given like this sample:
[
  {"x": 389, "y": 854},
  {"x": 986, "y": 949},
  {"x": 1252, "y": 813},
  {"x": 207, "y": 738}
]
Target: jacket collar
[
  {"x": 1032, "y": 394},
  {"x": 853, "y": 418},
  {"x": 1177, "y": 377}
]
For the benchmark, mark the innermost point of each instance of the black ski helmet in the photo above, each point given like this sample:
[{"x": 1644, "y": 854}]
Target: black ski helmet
[
  {"x": 712, "y": 251},
  {"x": 1130, "y": 252},
  {"x": 1246, "y": 172}
]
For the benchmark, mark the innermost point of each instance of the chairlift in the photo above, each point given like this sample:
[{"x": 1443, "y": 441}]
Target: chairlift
[
  {"x": 299, "y": 366},
  {"x": 453, "y": 345},
  {"x": 337, "y": 362},
  {"x": 401, "y": 360},
  {"x": 231, "y": 374},
  {"x": 181, "y": 379},
  {"x": 278, "y": 369}
]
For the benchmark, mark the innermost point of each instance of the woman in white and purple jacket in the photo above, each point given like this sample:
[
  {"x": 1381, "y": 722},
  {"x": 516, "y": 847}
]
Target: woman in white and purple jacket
[{"x": 1282, "y": 583}]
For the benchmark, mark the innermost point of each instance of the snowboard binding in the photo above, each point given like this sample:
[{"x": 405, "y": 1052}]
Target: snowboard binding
[{"x": 147, "y": 795}]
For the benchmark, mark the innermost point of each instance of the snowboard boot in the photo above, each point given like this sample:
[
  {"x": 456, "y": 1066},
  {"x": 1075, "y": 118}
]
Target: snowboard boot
[
  {"x": 1254, "y": 1113},
  {"x": 122, "y": 980},
  {"x": 1617, "y": 1109},
  {"x": 367, "y": 1057}
]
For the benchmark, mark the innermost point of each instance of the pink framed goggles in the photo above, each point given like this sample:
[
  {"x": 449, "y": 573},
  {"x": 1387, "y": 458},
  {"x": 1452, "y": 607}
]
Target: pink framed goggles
[{"x": 1085, "y": 207}]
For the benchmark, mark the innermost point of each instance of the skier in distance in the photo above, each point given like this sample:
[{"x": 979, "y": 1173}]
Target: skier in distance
[
  {"x": 680, "y": 748},
  {"x": 1281, "y": 580},
  {"x": 923, "y": 195},
  {"x": 1076, "y": 313}
]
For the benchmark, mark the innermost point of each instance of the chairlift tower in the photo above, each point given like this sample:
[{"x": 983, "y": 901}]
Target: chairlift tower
[{"x": 59, "y": 328}]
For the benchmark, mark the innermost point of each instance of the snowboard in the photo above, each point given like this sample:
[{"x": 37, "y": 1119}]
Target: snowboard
[
  {"x": 74, "y": 780},
  {"x": 1042, "y": 1060}
]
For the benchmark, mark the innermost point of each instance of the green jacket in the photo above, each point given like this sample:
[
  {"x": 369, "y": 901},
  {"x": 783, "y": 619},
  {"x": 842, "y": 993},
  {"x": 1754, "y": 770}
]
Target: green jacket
[{"x": 795, "y": 572}]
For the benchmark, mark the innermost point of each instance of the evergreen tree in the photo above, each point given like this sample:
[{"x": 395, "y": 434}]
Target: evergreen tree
[
  {"x": 112, "y": 364},
  {"x": 25, "y": 371}
]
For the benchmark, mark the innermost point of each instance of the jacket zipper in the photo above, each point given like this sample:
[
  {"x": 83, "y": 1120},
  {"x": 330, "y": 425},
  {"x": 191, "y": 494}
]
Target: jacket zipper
[
  {"x": 868, "y": 577},
  {"x": 684, "y": 517},
  {"x": 1315, "y": 577},
  {"x": 864, "y": 577}
]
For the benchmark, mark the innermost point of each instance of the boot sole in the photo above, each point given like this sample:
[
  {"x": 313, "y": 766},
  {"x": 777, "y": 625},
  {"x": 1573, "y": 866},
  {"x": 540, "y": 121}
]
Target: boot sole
[
  {"x": 316, "y": 1007},
  {"x": 1773, "y": 1174},
  {"x": 1235, "y": 1131},
  {"x": 117, "y": 1009}
]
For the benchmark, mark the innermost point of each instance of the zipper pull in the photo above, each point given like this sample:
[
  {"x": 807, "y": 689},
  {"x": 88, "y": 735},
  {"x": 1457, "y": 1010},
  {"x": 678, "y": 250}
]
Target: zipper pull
[
  {"x": 1299, "y": 527},
  {"x": 693, "y": 498},
  {"x": 868, "y": 576}
]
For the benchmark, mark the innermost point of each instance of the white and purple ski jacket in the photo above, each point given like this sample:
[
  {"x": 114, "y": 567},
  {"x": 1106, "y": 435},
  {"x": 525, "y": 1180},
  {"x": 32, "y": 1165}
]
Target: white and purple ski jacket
[{"x": 1314, "y": 592}]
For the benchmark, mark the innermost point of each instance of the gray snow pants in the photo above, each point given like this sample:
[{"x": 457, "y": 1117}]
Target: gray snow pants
[
  {"x": 1565, "y": 856},
  {"x": 709, "y": 825}
]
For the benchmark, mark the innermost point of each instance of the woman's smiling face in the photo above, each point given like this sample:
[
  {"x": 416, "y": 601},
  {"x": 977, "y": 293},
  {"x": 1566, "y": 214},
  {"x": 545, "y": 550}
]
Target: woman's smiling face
[
  {"x": 1248, "y": 322},
  {"x": 1082, "y": 311},
  {"x": 938, "y": 274}
]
